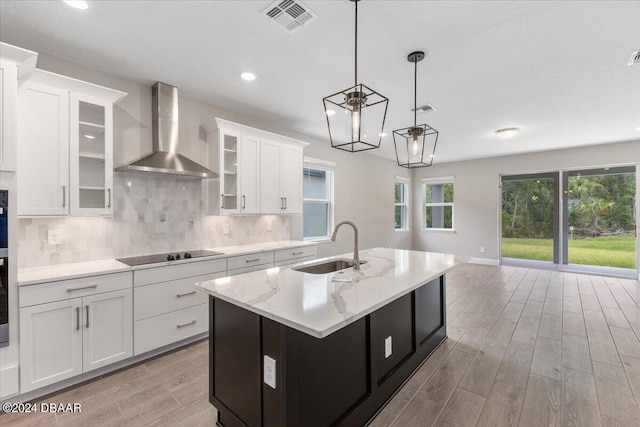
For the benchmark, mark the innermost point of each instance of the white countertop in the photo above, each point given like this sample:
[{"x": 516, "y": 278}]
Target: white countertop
[
  {"x": 51, "y": 273},
  {"x": 314, "y": 304}
]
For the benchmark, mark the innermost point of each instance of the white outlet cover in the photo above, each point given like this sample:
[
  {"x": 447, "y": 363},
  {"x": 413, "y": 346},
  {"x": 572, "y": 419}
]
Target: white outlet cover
[
  {"x": 53, "y": 237},
  {"x": 388, "y": 348},
  {"x": 269, "y": 226},
  {"x": 225, "y": 228},
  {"x": 269, "y": 372}
]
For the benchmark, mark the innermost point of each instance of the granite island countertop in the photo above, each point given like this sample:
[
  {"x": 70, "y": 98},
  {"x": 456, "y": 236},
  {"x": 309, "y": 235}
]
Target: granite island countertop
[{"x": 316, "y": 304}]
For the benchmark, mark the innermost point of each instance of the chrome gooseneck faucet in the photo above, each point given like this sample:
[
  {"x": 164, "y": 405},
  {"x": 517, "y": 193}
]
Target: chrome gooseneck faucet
[{"x": 356, "y": 256}]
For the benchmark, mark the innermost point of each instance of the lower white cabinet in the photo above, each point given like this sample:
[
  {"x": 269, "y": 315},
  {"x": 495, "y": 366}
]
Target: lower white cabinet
[{"x": 62, "y": 339}]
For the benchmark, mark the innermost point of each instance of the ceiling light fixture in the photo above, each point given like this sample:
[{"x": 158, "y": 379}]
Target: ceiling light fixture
[
  {"x": 330, "y": 112},
  {"x": 412, "y": 142},
  {"x": 507, "y": 133},
  {"x": 78, "y": 4},
  {"x": 248, "y": 76},
  {"x": 365, "y": 112}
]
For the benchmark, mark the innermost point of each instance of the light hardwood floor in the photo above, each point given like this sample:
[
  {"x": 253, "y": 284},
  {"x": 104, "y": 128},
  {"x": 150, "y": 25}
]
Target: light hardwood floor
[{"x": 526, "y": 348}]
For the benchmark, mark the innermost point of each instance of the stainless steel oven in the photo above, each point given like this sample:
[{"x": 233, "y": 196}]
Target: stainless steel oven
[{"x": 4, "y": 269}]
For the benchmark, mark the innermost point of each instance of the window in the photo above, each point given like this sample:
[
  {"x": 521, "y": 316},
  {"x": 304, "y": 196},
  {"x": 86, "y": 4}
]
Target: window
[
  {"x": 401, "y": 204},
  {"x": 438, "y": 203},
  {"x": 318, "y": 199}
]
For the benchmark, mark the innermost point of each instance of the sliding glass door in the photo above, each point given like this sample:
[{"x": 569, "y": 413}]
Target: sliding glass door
[
  {"x": 530, "y": 217},
  {"x": 600, "y": 218}
]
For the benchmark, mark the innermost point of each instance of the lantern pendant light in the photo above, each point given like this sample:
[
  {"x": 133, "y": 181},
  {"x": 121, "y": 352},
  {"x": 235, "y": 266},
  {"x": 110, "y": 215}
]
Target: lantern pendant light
[
  {"x": 415, "y": 142},
  {"x": 355, "y": 116}
]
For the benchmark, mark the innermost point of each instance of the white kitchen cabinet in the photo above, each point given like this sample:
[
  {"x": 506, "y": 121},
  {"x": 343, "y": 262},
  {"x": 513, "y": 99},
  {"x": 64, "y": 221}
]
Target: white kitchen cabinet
[
  {"x": 65, "y": 150},
  {"x": 43, "y": 150},
  {"x": 50, "y": 343},
  {"x": 260, "y": 172},
  {"x": 281, "y": 178},
  {"x": 15, "y": 62},
  {"x": 62, "y": 339}
]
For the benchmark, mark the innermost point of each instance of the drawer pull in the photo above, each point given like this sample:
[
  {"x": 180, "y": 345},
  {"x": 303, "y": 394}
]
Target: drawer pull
[
  {"x": 297, "y": 253},
  {"x": 253, "y": 260},
  {"x": 82, "y": 288},
  {"x": 193, "y": 322},
  {"x": 185, "y": 294}
]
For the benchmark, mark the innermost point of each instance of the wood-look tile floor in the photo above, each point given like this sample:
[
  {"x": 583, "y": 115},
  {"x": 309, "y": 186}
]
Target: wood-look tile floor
[{"x": 526, "y": 348}]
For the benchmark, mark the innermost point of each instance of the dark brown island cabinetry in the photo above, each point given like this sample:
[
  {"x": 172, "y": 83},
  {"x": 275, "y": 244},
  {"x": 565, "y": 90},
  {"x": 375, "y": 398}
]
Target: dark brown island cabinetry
[{"x": 343, "y": 379}]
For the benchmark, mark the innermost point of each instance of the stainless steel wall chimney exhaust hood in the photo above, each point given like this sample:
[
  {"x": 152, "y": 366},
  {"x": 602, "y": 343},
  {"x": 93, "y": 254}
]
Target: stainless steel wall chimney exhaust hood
[{"x": 165, "y": 158}]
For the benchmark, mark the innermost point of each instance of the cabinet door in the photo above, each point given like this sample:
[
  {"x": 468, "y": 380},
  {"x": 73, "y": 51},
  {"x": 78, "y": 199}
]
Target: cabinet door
[
  {"x": 8, "y": 114},
  {"x": 43, "y": 151},
  {"x": 271, "y": 198},
  {"x": 292, "y": 179},
  {"x": 107, "y": 328},
  {"x": 229, "y": 147},
  {"x": 50, "y": 343},
  {"x": 91, "y": 156},
  {"x": 250, "y": 174}
]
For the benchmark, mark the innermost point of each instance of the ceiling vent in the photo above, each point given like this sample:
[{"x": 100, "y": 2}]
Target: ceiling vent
[
  {"x": 424, "y": 108},
  {"x": 635, "y": 58},
  {"x": 289, "y": 14}
]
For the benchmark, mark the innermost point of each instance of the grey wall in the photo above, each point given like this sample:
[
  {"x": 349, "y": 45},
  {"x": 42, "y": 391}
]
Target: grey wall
[
  {"x": 363, "y": 182},
  {"x": 477, "y": 193}
]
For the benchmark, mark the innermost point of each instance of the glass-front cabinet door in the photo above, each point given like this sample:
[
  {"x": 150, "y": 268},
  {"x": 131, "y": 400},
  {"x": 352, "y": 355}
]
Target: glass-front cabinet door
[
  {"x": 229, "y": 155},
  {"x": 91, "y": 153}
]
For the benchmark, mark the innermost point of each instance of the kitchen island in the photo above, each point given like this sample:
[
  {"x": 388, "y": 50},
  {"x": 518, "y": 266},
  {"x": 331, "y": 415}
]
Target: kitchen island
[{"x": 289, "y": 348}]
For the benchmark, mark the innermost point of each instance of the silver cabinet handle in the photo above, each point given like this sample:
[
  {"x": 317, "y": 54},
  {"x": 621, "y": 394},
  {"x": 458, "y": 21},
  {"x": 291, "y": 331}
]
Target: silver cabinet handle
[
  {"x": 244, "y": 205},
  {"x": 297, "y": 253},
  {"x": 86, "y": 308},
  {"x": 285, "y": 203},
  {"x": 252, "y": 260},
  {"x": 222, "y": 202},
  {"x": 77, "y": 318},
  {"x": 185, "y": 294},
  {"x": 193, "y": 322},
  {"x": 82, "y": 288},
  {"x": 64, "y": 196},
  {"x": 109, "y": 205}
]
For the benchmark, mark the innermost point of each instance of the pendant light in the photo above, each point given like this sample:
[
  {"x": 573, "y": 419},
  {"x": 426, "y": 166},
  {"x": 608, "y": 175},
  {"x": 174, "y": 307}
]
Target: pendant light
[
  {"x": 355, "y": 116},
  {"x": 415, "y": 145}
]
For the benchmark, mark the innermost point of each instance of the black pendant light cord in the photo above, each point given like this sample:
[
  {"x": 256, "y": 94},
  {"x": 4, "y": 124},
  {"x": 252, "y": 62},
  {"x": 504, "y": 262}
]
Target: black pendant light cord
[
  {"x": 415, "y": 94},
  {"x": 356, "y": 51}
]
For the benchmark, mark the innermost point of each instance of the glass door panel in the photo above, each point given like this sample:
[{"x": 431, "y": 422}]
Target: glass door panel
[
  {"x": 529, "y": 217},
  {"x": 600, "y": 217},
  {"x": 230, "y": 172}
]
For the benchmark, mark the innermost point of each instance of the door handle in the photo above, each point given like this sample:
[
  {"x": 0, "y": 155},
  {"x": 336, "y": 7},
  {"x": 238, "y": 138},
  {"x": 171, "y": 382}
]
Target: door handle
[
  {"x": 86, "y": 307},
  {"x": 281, "y": 202},
  {"x": 222, "y": 201},
  {"x": 285, "y": 203},
  {"x": 243, "y": 202},
  {"x": 185, "y": 294},
  {"x": 64, "y": 196},
  {"x": 77, "y": 318},
  {"x": 193, "y": 322},
  {"x": 109, "y": 205}
]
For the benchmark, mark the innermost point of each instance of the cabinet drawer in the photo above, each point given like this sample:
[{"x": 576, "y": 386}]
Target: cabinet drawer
[
  {"x": 73, "y": 288},
  {"x": 148, "y": 276},
  {"x": 161, "y": 298},
  {"x": 293, "y": 253},
  {"x": 288, "y": 262},
  {"x": 248, "y": 269},
  {"x": 168, "y": 328},
  {"x": 236, "y": 262}
]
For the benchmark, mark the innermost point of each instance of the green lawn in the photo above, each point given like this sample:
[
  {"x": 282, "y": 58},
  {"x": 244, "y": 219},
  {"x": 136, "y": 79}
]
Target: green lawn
[{"x": 604, "y": 251}]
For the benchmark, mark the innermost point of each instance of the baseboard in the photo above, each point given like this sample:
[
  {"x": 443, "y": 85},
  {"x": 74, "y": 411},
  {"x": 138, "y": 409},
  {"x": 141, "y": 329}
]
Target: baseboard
[
  {"x": 483, "y": 261},
  {"x": 10, "y": 384}
]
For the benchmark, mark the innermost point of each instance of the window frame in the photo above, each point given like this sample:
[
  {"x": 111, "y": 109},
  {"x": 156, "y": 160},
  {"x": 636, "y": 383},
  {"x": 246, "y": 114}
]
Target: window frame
[
  {"x": 329, "y": 169},
  {"x": 406, "y": 182},
  {"x": 437, "y": 181}
]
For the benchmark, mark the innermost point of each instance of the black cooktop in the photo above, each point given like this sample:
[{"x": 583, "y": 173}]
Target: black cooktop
[{"x": 175, "y": 256}]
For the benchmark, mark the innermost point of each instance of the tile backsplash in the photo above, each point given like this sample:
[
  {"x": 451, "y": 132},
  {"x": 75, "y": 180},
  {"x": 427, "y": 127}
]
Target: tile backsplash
[{"x": 152, "y": 214}]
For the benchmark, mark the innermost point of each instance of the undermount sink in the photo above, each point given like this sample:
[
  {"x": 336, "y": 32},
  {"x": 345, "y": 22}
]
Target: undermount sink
[{"x": 327, "y": 267}]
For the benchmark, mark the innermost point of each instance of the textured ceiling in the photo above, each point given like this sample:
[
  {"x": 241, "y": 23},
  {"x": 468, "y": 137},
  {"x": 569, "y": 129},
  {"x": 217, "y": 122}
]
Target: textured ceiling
[{"x": 557, "y": 69}]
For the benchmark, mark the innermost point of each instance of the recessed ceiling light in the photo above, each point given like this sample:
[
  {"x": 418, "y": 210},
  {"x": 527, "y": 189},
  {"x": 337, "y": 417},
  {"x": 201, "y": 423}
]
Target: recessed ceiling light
[
  {"x": 89, "y": 136},
  {"x": 330, "y": 112},
  {"x": 432, "y": 155},
  {"x": 638, "y": 128},
  {"x": 78, "y": 4},
  {"x": 507, "y": 133},
  {"x": 382, "y": 135},
  {"x": 248, "y": 76}
]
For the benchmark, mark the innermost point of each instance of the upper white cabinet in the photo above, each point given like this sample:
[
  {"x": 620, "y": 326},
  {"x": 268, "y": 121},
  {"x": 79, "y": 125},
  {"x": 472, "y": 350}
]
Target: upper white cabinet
[
  {"x": 260, "y": 172},
  {"x": 14, "y": 63},
  {"x": 65, "y": 154}
]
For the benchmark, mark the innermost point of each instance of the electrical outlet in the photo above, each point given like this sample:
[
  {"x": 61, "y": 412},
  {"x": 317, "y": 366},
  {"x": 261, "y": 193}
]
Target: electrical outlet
[
  {"x": 388, "y": 349},
  {"x": 269, "y": 226},
  {"x": 225, "y": 228},
  {"x": 482, "y": 250},
  {"x": 270, "y": 372},
  {"x": 54, "y": 237}
]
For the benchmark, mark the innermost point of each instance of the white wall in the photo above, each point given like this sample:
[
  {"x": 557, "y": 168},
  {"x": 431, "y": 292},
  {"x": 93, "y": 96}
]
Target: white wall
[{"x": 477, "y": 192}]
